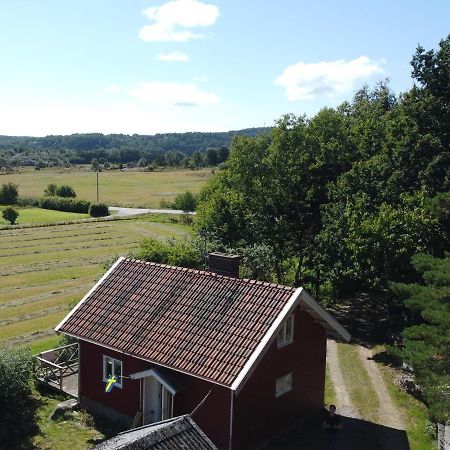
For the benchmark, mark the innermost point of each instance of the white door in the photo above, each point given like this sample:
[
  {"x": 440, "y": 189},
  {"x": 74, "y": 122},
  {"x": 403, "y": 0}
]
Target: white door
[{"x": 152, "y": 400}]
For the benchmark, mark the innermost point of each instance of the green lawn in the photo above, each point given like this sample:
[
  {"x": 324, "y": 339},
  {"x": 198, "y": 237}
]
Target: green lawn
[
  {"x": 117, "y": 188},
  {"x": 38, "y": 215}
]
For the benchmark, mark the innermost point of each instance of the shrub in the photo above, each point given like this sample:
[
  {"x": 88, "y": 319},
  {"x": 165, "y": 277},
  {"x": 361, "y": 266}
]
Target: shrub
[
  {"x": 175, "y": 253},
  {"x": 65, "y": 204},
  {"x": 98, "y": 210},
  {"x": 10, "y": 214},
  {"x": 185, "y": 201},
  {"x": 9, "y": 194},
  {"x": 65, "y": 191},
  {"x": 50, "y": 189},
  {"x": 28, "y": 201},
  {"x": 16, "y": 366}
]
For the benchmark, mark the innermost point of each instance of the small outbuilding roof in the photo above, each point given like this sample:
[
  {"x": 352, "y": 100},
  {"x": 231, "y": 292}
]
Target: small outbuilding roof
[
  {"x": 177, "y": 433},
  {"x": 206, "y": 325}
]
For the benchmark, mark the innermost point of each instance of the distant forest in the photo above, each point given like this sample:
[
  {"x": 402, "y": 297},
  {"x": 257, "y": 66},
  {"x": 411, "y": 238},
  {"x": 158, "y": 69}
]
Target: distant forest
[{"x": 173, "y": 149}]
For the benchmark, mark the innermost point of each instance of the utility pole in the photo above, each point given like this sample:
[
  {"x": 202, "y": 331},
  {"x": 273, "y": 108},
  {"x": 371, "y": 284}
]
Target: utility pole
[{"x": 97, "y": 186}]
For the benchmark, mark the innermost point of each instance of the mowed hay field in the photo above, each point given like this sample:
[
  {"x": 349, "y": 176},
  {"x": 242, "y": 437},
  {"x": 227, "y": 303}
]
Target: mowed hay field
[
  {"x": 132, "y": 187},
  {"x": 44, "y": 269}
]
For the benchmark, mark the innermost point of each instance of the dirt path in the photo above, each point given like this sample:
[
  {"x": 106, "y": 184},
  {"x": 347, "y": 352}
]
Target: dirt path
[
  {"x": 344, "y": 404},
  {"x": 388, "y": 414}
]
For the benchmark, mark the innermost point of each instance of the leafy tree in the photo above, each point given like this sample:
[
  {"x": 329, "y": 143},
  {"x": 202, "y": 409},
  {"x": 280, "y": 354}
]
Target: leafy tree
[
  {"x": 65, "y": 191},
  {"x": 222, "y": 154},
  {"x": 426, "y": 341},
  {"x": 50, "y": 189},
  {"x": 95, "y": 165},
  {"x": 10, "y": 214},
  {"x": 185, "y": 202},
  {"x": 9, "y": 194},
  {"x": 211, "y": 157},
  {"x": 197, "y": 159}
]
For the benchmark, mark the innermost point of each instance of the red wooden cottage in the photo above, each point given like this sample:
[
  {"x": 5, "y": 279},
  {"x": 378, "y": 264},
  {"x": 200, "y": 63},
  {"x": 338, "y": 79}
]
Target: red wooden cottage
[{"x": 245, "y": 358}]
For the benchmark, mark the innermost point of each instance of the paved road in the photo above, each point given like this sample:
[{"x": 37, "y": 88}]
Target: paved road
[{"x": 136, "y": 211}]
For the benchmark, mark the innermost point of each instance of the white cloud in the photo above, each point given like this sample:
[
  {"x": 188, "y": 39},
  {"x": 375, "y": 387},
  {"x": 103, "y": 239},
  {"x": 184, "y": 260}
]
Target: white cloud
[
  {"x": 112, "y": 89},
  {"x": 172, "y": 20},
  {"x": 309, "y": 80},
  {"x": 173, "y": 94},
  {"x": 173, "y": 57},
  {"x": 201, "y": 78}
]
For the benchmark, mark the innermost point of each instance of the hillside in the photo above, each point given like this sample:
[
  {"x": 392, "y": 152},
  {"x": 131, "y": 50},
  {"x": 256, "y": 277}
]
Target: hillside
[{"x": 115, "y": 148}]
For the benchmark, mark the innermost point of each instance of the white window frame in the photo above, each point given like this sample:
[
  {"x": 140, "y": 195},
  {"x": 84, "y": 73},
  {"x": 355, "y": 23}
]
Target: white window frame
[
  {"x": 285, "y": 335},
  {"x": 114, "y": 362},
  {"x": 283, "y": 385}
]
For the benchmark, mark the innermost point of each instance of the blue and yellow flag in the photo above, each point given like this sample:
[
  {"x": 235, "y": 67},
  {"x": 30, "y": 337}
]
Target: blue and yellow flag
[{"x": 109, "y": 385}]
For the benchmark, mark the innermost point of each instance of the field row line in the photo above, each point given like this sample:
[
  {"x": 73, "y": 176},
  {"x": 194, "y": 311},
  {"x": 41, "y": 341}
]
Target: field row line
[
  {"x": 56, "y": 264},
  {"x": 29, "y": 337},
  {"x": 43, "y": 296},
  {"x": 56, "y": 250},
  {"x": 46, "y": 283},
  {"x": 35, "y": 315},
  {"x": 41, "y": 238}
]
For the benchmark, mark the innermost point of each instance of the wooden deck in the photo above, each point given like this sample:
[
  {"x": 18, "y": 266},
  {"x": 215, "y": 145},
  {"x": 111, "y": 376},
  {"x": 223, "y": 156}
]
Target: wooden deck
[
  {"x": 58, "y": 369},
  {"x": 69, "y": 385}
]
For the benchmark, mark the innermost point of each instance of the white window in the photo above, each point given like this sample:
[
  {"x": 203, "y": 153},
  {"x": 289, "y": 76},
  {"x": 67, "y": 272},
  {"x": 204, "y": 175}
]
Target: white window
[
  {"x": 111, "y": 367},
  {"x": 283, "y": 385},
  {"x": 286, "y": 333}
]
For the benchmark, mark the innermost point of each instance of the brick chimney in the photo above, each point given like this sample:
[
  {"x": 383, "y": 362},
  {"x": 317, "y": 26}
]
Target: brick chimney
[{"x": 224, "y": 264}]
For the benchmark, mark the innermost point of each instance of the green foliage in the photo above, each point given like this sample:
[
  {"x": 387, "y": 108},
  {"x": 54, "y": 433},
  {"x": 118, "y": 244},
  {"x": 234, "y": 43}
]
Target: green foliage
[
  {"x": 98, "y": 210},
  {"x": 65, "y": 191},
  {"x": 50, "y": 189},
  {"x": 185, "y": 202},
  {"x": 65, "y": 204},
  {"x": 95, "y": 165},
  {"x": 63, "y": 151},
  {"x": 426, "y": 341},
  {"x": 173, "y": 252},
  {"x": 15, "y": 378},
  {"x": 10, "y": 214},
  {"x": 9, "y": 194}
]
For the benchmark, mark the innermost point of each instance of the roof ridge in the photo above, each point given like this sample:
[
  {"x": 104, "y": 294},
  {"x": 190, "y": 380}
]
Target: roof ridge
[{"x": 211, "y": 273}]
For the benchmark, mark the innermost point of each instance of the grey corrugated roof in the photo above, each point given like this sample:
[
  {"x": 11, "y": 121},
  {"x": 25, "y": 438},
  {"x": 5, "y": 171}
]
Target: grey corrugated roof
[{"x": 179, "y": 433}]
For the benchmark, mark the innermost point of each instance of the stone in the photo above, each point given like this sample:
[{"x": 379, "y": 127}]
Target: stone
[{"x": 62, "y": 408}]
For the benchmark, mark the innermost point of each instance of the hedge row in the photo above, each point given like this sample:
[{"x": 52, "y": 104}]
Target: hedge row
[{"x": 65, "y": 204}]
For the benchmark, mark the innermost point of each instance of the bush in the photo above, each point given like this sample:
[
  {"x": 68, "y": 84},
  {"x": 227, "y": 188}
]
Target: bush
[
  {"x": 10, "y": 214},
  {"x": 50, "y": 189},
  {"x": 9, "y": 194},
  {"x": 98, "y": 210},
  {"x": 65, "y": 191},
  {"x": 16, "y": 366},
  {"x": 28, "y": 201},
  {"x": 186, "y": 202},
  {"x": 175, "y": 253},
  {"x": 65, "y": 204}
]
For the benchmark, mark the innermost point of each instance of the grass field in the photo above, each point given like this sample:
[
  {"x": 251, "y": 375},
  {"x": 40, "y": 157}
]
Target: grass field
[
  {"x": 116, "y": 188},
  {"x": 38, "y": 215},
  {"x": 44, "y": 269}
]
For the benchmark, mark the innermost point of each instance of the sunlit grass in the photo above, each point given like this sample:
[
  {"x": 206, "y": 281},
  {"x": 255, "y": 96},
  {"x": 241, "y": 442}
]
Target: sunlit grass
[
  {"x": 38, "y": 215},
  {"x": 117, "y": 188}
]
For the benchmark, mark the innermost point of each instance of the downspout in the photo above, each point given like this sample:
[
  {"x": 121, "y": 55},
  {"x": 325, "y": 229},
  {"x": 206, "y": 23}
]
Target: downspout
[
  {"x": 231, "y": 419},
  {"x": 79, "y": 377}
]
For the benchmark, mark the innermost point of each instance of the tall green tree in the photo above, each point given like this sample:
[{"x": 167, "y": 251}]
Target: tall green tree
[
  {"x": 9, "y": 193},
  {"x": 426, "y": 341}
]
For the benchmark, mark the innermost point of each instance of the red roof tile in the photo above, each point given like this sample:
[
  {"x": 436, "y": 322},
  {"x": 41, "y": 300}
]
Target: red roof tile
[{"x": 197, "y": 322}]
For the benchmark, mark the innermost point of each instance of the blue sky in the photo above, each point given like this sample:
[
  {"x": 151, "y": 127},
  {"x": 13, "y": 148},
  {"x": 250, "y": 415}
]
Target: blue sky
[{"x": 143, "y": 66}]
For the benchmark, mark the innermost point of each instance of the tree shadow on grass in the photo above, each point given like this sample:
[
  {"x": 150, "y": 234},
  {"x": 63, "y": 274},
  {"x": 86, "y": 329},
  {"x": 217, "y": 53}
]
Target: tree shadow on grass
[
  {"x": 18, "y": 427},
  {"x": 356, "y": 434}
]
